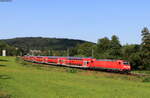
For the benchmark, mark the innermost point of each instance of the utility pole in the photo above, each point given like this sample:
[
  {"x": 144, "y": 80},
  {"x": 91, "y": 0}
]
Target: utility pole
[
  {"x": 92, "y": 52},
  {"x": 49, "y": 53},
  {"x": 67, "y": 52}
]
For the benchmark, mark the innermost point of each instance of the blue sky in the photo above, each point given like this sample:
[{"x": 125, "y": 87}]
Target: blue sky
[{"x": 78, "y": 19}]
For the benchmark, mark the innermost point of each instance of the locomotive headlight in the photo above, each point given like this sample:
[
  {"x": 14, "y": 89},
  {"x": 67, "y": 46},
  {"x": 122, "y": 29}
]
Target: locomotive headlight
[{"x": 127, "y": 67}]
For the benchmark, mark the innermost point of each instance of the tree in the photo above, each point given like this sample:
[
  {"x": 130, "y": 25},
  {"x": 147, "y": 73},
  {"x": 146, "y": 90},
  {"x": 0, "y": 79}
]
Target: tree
[
  {"x": 85, "y": 49},
  {"x": 103, "y": 46},
  {"x": 115, "y": 47},
  {"x": 109, "y": 49},
  {"x": 73, "y": 51},
  {"x": 132, "y": 54},
  {"x": 145, "y": 39},
  {"x": 145, "y": 47}
]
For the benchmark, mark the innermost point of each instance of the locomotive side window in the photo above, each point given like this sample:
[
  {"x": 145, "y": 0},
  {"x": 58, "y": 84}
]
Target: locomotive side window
[{"x": 125, "y": 63}]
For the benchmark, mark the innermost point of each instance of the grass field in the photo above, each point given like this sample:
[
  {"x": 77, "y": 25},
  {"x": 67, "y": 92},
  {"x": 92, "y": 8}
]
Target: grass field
[{"x": 25, "y": 80}]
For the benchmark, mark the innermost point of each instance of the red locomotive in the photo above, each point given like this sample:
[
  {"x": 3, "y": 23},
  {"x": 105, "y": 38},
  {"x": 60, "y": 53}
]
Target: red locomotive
[{"x": 91, "y": 63}]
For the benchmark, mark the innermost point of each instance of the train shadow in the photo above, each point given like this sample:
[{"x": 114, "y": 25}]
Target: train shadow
[
  {"x": 3, "y": 60},
  {"x": 1, "y": 65},
  {"x": 5, "y": 77},
  {"x": 95, "y": 69}
]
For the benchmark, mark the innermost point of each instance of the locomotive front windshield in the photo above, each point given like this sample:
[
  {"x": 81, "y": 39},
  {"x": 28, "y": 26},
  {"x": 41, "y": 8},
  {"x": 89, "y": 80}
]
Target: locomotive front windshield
[{"x": 126, "y": 63}]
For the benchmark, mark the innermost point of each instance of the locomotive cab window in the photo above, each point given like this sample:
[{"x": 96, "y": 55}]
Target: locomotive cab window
[{"x": 126, "y": 63}]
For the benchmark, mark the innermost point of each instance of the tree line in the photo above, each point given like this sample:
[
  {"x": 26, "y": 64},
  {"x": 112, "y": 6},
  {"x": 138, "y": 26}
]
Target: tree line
[{"x": 137, "y": 54}]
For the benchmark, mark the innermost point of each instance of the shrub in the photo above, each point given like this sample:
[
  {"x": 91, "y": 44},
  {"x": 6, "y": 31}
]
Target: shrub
[
  {"x": 19, "y": 60},
  {"x": 72, "y": 70},
  {"x": 4, "y": 95},
  {"x": 146, "y": 79}
]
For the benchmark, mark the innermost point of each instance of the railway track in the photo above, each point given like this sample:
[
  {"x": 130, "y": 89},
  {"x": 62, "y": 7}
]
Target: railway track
[
  {"x": 137, "y": 74},
  {"x": 130, "y": 73}
]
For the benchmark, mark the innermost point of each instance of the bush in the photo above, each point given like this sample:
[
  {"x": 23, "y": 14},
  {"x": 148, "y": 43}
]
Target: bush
[
  {"x": 24, "y": 63},
  {"x": 4, "y": 95},
  {"x": 19, "y": 60},
  {"x": 146, "y": 79},
  {"x": 72, "y": 70}
]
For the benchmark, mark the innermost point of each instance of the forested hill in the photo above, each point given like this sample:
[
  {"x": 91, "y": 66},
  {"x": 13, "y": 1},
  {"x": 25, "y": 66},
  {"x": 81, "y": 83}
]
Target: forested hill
[{"x": 43, "y": 43}]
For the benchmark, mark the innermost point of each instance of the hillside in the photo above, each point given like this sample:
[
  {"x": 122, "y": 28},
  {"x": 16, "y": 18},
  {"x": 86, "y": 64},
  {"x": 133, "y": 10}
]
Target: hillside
[{"x": 43, "y": 43}]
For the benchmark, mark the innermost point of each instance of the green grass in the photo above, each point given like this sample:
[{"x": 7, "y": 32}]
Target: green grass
[{"x": 25, "y": 80}]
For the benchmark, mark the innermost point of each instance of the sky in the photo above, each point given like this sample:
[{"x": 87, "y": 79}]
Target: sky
[{"x": 87, "y": 20}]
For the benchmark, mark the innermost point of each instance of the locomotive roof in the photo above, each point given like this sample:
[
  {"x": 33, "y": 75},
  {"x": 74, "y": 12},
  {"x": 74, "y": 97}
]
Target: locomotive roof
[{"x": 105, "y": 60}]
